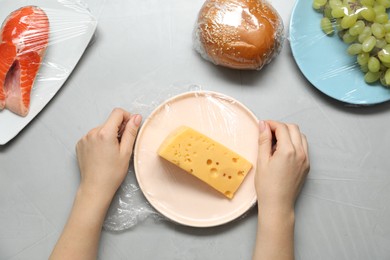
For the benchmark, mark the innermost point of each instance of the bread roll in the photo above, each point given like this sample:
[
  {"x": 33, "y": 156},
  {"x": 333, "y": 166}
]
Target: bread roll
[{"x": 239, "y": 34}]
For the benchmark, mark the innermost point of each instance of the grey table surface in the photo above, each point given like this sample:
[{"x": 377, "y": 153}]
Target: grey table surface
[{"x": 144, "y": 48}]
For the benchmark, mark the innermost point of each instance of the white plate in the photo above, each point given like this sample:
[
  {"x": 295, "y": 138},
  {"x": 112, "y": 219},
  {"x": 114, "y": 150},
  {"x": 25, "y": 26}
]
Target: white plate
[
  {"x": 180, "y": 196},
  {"x": 71, "y": 29}
]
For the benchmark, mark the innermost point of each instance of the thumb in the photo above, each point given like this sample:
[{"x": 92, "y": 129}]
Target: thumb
[
  {"x": 265, "y": 141},
  {"x": 129, "y": 134}
]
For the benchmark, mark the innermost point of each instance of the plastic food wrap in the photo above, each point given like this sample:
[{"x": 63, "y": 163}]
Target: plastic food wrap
[
  {"x": 39, "y": 47},
  {"x": 162, "y": 190},
  {"x": 180, "y": 196},
  {"x": 342, "y": 48},
  {"x": 238, "y": 34}
]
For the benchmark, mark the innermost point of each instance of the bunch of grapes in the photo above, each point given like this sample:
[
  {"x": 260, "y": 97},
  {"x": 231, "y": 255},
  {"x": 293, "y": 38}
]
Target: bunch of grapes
[{"x": 365, "y": 26}]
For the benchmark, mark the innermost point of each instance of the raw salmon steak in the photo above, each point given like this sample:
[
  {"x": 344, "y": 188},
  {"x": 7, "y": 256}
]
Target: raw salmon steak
[{"x": 23, "y": 41}]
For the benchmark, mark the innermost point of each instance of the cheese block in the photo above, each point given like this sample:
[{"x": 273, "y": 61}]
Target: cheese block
[{"x": 206, "y": 159}]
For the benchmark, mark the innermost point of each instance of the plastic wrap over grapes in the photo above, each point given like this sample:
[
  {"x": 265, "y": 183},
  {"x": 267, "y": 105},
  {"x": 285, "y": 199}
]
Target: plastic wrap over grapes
[{"x": 365, "y": 26}]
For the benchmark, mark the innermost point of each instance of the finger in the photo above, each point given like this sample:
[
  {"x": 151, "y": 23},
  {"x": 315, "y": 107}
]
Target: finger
[
  {"x": 115, "y": 120},
  {"x": 295, "y": 134},
  {"x": 265, "y": 141},
  {"x": 129, "y": 134},
  {"x": 282, "y": 134}
]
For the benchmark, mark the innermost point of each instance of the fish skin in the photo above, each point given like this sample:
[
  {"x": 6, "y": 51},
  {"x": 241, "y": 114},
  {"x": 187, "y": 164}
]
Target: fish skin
[{"x": 27, "y": 30}]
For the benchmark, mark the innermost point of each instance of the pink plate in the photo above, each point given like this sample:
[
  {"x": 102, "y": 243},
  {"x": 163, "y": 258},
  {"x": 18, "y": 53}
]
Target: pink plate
[{"x": 182, "y": 197}]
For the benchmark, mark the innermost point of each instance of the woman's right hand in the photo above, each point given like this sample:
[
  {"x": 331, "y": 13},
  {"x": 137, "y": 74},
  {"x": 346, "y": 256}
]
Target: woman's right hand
[{"x": 283, "y": 165}]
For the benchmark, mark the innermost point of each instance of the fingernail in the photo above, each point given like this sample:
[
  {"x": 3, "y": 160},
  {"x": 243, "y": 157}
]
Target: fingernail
[
  {"x": 137, "y": 120},
  {"x": 261, "y": 126}
]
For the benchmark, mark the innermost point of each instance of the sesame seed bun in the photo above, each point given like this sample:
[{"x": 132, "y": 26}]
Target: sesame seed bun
[{"x": 239, "y": 34}]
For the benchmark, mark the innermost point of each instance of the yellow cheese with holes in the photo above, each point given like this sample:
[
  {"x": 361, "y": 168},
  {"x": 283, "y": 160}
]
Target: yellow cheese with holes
[{"x": 206, "y": 159}]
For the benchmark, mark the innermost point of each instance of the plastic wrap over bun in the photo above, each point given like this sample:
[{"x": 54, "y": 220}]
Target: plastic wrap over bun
[{"x": 239, "y": 34}]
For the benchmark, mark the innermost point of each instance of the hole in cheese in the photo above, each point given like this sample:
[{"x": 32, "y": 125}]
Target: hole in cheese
[
  {"x": 214, "y": 172},
  {"x": 209, "y": 162},
  {"x": 228, "y": 194},
  {"x": 234, "y": 159},
  {"x": 240, "y": 173}
]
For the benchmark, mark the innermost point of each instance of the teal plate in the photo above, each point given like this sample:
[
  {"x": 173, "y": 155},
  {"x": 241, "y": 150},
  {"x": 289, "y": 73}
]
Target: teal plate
[{"x": 324, "y": 61}]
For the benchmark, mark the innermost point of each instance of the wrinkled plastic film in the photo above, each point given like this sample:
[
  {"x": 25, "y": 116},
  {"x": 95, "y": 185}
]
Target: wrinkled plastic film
[
  {"x": 238, "y": 34},
  {"x": 171, "y": 191},
  {"x": 37, "y": 43},
  {"x": 342, "y": 49},
  {"x": 129, "y": 207},
  {"x": 40, "y": 45}
]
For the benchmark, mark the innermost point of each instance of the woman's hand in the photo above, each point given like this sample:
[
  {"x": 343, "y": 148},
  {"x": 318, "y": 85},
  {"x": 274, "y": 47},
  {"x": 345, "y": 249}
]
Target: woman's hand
[
  {"x": 283, "y": 165},
  {"x": 104, "y": 153}
]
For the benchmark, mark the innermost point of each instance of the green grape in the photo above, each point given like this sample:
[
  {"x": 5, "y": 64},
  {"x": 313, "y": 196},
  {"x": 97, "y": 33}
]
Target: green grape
[
  {"x": 339, "y": 11},
  {"x": 373, "y": 64},
  {"x": 335, "y": 3},
  {"x": 347, "y": 38},
  {"x": 328, "y": 12},
  {"x": 369, "y": 44},
  {"x": 365, "y": 26},
  {"x": 387, "y": 78},
  {"x": 327, "y": 26},
  {"x": 348, "y": 21},
  {"x": 381, "y": 18},
  {"x": 364, "y": 34},
  {"x": 384, "y": 3},
  {"x": 378, "y": 30},
  {"x": 371, "y": 77},
  {"x": 367, "y": 2},
  {"x": 381, "y": 43},
  {"x": 354, "y": 49},
  {"x": 318, "y": 4},
  {"x": 378, "y": 9},
  {"x": 357, "y": 28},
  {"x": 321, "y": 2},
  {"x": 368, "y": 13},
  {"x": 384, "y": 54},
  {"x": 362, "y": 58},
  {"x": 387, "y": 26}
]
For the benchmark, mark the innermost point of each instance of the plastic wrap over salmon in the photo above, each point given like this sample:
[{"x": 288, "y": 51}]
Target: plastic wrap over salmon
[
  {"x": 24, "y": 39},
  {"x": 26, "y": 34},
  {"x": 41, "y": 43},
  {"x": 239, "y": 34}
]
